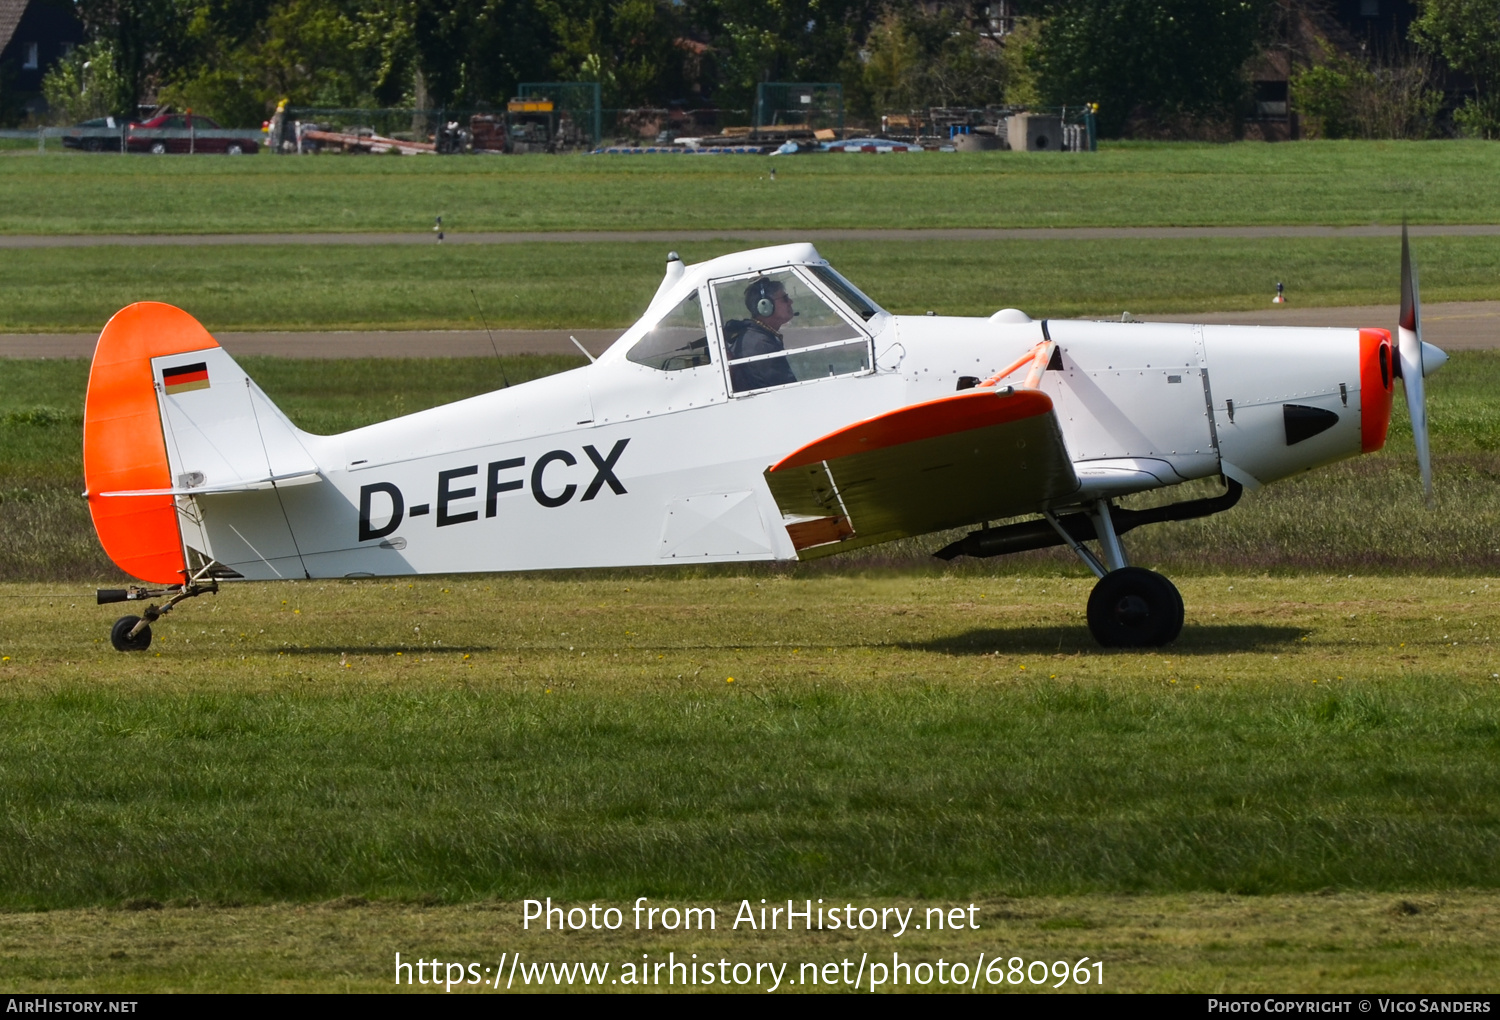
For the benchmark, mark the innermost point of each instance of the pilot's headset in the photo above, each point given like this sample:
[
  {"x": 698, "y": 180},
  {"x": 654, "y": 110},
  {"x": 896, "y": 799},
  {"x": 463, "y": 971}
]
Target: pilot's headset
[{"x": 765, "y": 304}]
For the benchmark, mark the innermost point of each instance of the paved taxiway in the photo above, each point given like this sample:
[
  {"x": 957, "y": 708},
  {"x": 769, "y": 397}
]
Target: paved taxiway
[{"x": 670, "y": 237}]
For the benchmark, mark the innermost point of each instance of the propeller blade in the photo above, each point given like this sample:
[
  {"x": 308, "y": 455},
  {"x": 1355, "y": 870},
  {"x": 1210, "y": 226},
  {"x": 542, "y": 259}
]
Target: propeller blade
[{"x": 1409, "y": 349}]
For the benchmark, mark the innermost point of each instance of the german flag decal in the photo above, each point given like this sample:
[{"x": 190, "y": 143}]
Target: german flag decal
[{"x": 185, "y": 377}]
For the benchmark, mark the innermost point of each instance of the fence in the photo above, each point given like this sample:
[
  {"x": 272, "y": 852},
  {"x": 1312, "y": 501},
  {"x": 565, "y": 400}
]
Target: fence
[
  {"x": 312, "y": 129},
  {"x": 1071, "y": 128},
  {"x": 152, "y": 140},
  {"x": 817, "y": 105},
  {"x": 579, "y": 99}
]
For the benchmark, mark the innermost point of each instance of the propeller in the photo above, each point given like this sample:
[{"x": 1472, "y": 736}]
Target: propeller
[{"x": 1415, "y": 360}]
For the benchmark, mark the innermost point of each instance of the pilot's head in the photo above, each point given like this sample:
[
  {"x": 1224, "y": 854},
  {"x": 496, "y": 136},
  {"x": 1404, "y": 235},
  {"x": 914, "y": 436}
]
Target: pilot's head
[{"x": 768, "y": 302}]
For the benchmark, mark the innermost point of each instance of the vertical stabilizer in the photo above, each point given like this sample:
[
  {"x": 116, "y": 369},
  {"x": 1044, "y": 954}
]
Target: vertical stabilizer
[
  {"x": 123, "y": 444},
  {"x": 171, "y": 418}
]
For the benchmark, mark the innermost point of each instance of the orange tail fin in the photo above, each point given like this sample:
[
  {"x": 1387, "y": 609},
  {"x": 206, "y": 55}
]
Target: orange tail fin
[{"x": 123, "y": 443}]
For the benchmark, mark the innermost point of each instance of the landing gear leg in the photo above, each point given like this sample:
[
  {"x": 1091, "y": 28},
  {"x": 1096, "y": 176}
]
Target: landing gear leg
[
  {"x": 1130, "y": 607},
  {"x": 133, "y": 633}
]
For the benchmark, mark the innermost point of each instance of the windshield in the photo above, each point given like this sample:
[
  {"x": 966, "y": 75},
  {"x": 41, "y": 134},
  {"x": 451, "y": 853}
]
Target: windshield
[
  {"x": 677, "y": 342},
  {"x": 856, "y": 301}
]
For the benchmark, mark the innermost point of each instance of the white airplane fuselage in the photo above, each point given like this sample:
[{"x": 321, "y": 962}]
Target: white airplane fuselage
[{"x": 623, "y": 464}]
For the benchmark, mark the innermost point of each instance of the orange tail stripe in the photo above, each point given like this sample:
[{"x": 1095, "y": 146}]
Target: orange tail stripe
[{"x": 123, "y": 445}]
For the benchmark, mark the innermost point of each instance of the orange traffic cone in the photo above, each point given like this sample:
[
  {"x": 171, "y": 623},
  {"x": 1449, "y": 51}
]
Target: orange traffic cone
[{"x": 1280, "y": 298}]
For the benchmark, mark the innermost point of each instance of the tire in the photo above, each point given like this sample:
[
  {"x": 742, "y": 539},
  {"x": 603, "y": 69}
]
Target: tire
[
  {"x": 158, "y": 148},
  {"x": 1134, "y": 608},
  {"x": 234, "y": 149},
  {"x": 93, "y": 145},
  {"x": 119, "y": 635}
]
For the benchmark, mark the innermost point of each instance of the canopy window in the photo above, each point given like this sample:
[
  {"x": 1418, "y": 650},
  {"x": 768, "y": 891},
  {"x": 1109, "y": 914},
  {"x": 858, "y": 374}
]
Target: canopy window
[
  {"x": 678, "y": 341},
  {"x": 779, "y": 330}
]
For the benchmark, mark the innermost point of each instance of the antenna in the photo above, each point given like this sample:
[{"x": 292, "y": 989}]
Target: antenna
[{"x": 498, "y": 360}]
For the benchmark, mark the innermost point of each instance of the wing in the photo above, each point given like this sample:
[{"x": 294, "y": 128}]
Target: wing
[{"x": 980, "y": 455}]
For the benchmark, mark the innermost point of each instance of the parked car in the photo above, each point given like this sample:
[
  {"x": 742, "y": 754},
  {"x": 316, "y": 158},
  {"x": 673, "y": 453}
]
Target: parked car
[
  {"x": 102, "y": 134},
  {"x": 181, "y": 133}
]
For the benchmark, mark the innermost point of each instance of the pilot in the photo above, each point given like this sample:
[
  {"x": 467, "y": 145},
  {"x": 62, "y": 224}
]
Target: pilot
[{"x": 770, "y": 308}]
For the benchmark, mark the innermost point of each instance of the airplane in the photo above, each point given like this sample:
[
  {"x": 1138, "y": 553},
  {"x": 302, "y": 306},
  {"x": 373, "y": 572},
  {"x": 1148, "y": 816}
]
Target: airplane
[{"x": 763, "y": 408}]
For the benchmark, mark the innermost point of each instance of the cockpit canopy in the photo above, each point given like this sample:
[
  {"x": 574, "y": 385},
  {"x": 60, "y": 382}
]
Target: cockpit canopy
[{"x": 774, "y": 326}]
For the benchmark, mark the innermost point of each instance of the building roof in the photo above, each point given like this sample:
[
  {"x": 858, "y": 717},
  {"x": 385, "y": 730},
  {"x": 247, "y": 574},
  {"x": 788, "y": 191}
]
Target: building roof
[{"x": 10, "y": 17}]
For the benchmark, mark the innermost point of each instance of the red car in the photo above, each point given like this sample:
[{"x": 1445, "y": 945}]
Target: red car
[{"x": 187, "y": 132}]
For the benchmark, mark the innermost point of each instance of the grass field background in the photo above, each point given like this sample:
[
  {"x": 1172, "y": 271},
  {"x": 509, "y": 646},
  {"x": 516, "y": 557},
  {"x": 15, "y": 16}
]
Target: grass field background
[
  {"x": 572, "y": 286},
  {"x": 1144, "y": 185}
]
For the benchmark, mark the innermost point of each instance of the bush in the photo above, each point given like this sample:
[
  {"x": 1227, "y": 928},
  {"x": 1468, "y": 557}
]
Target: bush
[
  {"x": 1479, "y": 117},
  {"x": 82, "y": 85},
  {"x": 1343, "y": 98}
]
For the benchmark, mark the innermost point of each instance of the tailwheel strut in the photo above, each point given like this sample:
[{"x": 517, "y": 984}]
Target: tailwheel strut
[
  {"x": 133, "y": 633},
  {"x": 1130, "y": 607}
]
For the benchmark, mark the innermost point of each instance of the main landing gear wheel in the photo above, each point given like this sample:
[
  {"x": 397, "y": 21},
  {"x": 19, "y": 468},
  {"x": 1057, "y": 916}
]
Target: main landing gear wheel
[
  {"x": 1134, "y": 608},
  {"x": 119, "y": 635}
]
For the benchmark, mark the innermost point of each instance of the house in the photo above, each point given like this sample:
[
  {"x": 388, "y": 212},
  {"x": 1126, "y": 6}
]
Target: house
[
  {"x": 34, "y": 35},
  {"x": 1381, "y": 23},
  {"x": 1372, "y": 30}
]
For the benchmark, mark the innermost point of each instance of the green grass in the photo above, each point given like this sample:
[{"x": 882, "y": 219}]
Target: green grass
[
  {"x": 1204, "y": 943},
  {"x": 1361, "y": 515},
  {"x": 538, "y": 285},
  {"x": 1250, "y": 183},
  {"x": 936, "y": 737}
]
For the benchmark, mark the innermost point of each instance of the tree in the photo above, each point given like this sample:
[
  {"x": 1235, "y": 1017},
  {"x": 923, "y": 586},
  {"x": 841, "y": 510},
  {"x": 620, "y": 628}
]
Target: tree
[
  {"x": 916, "y": 59},
  {"x": 782, "y": 40},
  {"x": 1149, "y": 59},
  {"x": 142, "y": 36},
  {"x": 81, "y": 85},
  {"x": 477, "y": 51},
  {"x": 1466, "y": 33},
  {"x": 628, "y": 46},
  {"x": 238, "y": 60}
]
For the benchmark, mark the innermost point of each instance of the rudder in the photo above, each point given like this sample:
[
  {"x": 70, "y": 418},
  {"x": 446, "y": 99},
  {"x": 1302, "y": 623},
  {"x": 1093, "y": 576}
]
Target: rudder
[
  {"x": 124, "y": 447},
  {"x": 171, "y": 417}
]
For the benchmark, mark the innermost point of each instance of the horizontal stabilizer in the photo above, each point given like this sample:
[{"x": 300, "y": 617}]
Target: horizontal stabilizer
[
  {"x": 243, "y": 485},
  {"x": 979, "y": 455}
]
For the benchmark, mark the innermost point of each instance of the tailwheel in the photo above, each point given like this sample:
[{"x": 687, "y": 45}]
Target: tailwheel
[
  {"x": 1134, "y": 608},
  {"x": 126, "y": 638},
  {"x": 133, "y": 633}
]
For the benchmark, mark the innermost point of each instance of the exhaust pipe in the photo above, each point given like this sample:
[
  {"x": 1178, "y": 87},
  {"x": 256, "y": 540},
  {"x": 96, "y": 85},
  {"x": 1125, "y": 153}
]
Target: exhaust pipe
[{"x": 1014, "y": 538}]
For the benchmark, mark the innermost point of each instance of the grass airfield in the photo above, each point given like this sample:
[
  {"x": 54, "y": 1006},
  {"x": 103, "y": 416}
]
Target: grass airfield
[
  {"x": 1322, "y": 942},
  {"x": 443, "y": 747},
  {"x": 300, "y": 780},
  {"x": 536, "y": 286},
  {"x": 1322, "y": 182}
]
